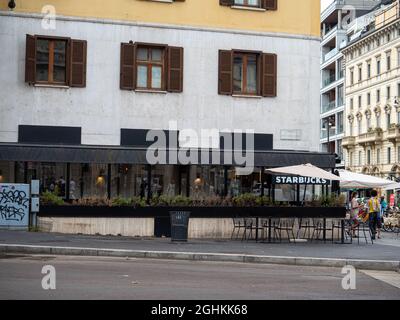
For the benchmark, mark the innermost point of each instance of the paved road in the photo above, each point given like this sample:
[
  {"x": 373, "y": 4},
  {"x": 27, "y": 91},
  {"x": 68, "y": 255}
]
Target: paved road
[
  {"x": 385, "y": 249},
  {"x": 117, "y": 278}
]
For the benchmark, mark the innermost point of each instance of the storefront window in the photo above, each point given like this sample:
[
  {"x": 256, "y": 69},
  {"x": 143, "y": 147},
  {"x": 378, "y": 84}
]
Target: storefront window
[
  {"x": 206, "y": 181},
  {"x": 75, "y": 182},
  {"x": 241, "y": 184},
  {"x": 129, "y": 181},
  {"x": 285, "y": 192},
  {"x": 165, "y": 180},
  {"x": 51, "y": 175},
  {"x": 94, "y": 180},
  {"x": 6, "y": 172}
]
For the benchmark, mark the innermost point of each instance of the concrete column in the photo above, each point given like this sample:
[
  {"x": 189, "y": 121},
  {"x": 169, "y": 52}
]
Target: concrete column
[{"x": 339, "y": 19}]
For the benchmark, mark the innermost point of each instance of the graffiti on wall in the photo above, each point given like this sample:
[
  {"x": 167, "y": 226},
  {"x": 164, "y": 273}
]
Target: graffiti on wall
[{"x": 14, "y": 205}]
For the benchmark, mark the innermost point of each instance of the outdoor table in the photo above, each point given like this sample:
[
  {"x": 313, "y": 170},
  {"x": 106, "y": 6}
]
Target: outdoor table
[{"x": 342, "y": 230}]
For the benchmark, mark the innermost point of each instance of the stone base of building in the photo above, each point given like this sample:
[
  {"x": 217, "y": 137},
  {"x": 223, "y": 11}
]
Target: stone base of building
[{"x": 199, "y": 228}]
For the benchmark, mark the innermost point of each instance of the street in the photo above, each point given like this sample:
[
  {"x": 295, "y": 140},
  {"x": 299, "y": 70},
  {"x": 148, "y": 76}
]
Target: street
[{"x": 121, "y": 278}]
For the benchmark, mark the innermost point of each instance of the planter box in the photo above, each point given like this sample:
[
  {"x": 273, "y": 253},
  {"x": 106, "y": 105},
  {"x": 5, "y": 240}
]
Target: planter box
[{"x": 196, "y": 212}]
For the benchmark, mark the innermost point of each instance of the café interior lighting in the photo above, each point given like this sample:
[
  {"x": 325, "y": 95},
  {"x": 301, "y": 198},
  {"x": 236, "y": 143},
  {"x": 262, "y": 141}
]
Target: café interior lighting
[
  {"x": 11, "y": 4},
  {"x": 100, "y": 179}
]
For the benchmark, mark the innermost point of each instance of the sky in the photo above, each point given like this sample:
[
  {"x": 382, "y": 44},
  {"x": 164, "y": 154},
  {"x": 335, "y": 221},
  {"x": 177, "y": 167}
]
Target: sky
[{"x": 325, "y": 3}]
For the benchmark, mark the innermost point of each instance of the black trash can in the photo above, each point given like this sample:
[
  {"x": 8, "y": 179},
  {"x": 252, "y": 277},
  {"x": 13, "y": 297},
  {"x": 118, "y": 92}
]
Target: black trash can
[{"x": 179, "y": 225}]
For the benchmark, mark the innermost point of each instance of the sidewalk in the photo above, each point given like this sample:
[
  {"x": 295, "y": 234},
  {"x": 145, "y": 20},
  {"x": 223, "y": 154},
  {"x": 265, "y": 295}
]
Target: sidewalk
[{"x": 384, "y": 254}]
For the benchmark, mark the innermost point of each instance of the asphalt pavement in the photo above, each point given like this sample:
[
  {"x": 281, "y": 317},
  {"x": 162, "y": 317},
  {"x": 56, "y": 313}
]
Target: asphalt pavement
[
  {"x": 121, "y": 278},
  {"x": 386, "y": 249}
]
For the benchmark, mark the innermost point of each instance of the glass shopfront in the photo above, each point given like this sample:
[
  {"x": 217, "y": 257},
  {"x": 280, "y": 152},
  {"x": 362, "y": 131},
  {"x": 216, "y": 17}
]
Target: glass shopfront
[
  {"x": 206, "y": 181},
  {"x": 241, "y": 184},
  {"x": 6, "y": 171},
  {"x": 129, "y": 180},
  {"x": 76, "y": 181}
]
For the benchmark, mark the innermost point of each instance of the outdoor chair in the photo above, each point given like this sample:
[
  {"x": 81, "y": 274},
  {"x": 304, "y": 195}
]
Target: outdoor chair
[
  {"x": 363, "y": 231},
  {"x": 250, "y": 225},
  {"x": 337, "y": 226},
  {"x": 238, "y": 225},
  {"x": 320, "y": 225},
  {"x": 307, "y": 225},
  {"x": 286, "y": 225},
  {"x": 270, "y": 227}
]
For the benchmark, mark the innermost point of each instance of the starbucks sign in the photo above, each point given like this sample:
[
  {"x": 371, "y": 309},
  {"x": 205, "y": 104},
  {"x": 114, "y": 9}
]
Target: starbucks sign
[{"x": 299, "y": 180}]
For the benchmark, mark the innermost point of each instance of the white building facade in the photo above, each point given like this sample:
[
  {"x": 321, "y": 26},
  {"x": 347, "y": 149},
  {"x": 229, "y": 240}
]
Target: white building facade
[
  {"x": 84, "y": 115},
  {"x": 335, "y": 21},
  {"x": 373, "y": 97}
]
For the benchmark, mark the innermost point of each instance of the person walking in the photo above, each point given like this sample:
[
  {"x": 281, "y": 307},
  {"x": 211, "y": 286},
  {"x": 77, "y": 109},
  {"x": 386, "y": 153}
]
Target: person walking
[
  {"x": 381, "y": 214},
  {"x": 354, "y": 211},
  {"x": 374, "y": 212}
]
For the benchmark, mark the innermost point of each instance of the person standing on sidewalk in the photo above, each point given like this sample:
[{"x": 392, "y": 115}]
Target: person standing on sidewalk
[
  {"x": 354, "y": 211},
  {"x": 382, "y": 211},
  {"x": 374, "y": 212}
]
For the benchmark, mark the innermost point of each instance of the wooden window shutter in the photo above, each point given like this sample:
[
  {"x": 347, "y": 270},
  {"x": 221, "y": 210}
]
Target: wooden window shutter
[
  {"x": 225, "y": 72},
  {"x": 269, "y": 75},
  {"x": 77, "y": 63},
  {"x": 270, "y": 4},
  {"x": 226, "y": 2},
  {"x": 175, "y": 69},
  {"x": 128, "y": 72},
  {"x": 30, "y": 59}
]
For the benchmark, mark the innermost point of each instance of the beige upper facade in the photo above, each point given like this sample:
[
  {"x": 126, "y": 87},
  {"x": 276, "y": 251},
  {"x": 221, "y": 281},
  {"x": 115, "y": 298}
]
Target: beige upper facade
[
  {"x": 289, "y": 17},
  {"x": 372, "y": 94}
]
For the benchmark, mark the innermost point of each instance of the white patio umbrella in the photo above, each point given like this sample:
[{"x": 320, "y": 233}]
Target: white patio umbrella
[
  {"x": 306, "y": 170},
  {"x": 394, "y": 186},
  {"x": 352, "y": 180}
]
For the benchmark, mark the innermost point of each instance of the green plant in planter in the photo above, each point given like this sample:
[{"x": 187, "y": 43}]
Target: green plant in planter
[
  {"x": 49, "y": 198},
  {"x": 331, "y": 200},
  {"x": 121, "y": 202},
  {"x": 161, "y": 201},
  {"x": 180, "y": 201},
  {"x": 263, "y": 201},
  {"x": 138, "y": 202},
  {"x": 245, "y": 200},
  {"x": 94, "y": 202}
]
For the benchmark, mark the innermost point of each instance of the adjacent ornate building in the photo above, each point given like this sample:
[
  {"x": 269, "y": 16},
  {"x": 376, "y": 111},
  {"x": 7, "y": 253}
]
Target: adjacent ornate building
[{"x": 372, "y": 90}]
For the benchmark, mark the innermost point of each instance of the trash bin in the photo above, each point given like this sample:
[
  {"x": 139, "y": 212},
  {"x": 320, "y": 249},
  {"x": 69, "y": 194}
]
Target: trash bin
[{"x": 179, "y": 225}]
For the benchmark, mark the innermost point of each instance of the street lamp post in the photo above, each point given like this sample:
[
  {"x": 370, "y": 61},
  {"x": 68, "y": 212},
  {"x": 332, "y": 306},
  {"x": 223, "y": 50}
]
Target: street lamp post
[{"x": 329, "y": 126}]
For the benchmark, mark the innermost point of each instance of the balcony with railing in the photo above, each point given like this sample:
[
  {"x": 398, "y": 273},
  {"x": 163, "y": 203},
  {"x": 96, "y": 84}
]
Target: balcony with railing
[
  {"x": 370, "y": 138},
  {"x": 393, "y": 134},
  {"x": 349, "y": 142},
  {"x": 330, "y": 29},
  {"x": 328, "y": 106},
  {"x": 328, "y": 81},
  {"x": 324, "y": 133},
  {"x": 331, "y": 54}
]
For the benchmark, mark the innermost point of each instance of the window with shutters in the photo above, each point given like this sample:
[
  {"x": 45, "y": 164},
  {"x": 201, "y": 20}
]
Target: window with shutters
[
  {"x": 151, "y": 67},
  {"x": 258, "y": 4},
  {"x": 55, "y": 61},
  {"x": 248, "y": 3},
  {"x": 247, "y": 73},
  {"x": 51, "y": 61}
]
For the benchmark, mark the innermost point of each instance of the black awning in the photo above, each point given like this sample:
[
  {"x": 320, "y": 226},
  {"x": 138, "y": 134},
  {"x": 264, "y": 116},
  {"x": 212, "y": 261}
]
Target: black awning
[{"x": 126, "y": 155}]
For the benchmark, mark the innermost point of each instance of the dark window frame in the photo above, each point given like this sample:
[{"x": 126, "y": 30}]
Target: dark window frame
[
  {"x": 50, "y": 80},
  {"x": 246, "y": 4}
]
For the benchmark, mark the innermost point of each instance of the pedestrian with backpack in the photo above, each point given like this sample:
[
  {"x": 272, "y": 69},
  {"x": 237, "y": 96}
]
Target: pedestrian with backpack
[{"x": 374, "y": 212}]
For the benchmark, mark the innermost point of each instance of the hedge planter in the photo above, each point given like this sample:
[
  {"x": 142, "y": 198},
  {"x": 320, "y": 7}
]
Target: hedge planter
[{"x": 196, "y": 212}]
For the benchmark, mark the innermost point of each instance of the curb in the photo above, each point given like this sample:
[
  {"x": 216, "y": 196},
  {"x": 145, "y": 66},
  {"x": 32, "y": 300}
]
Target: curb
[{"x": 381, "y": 265}]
